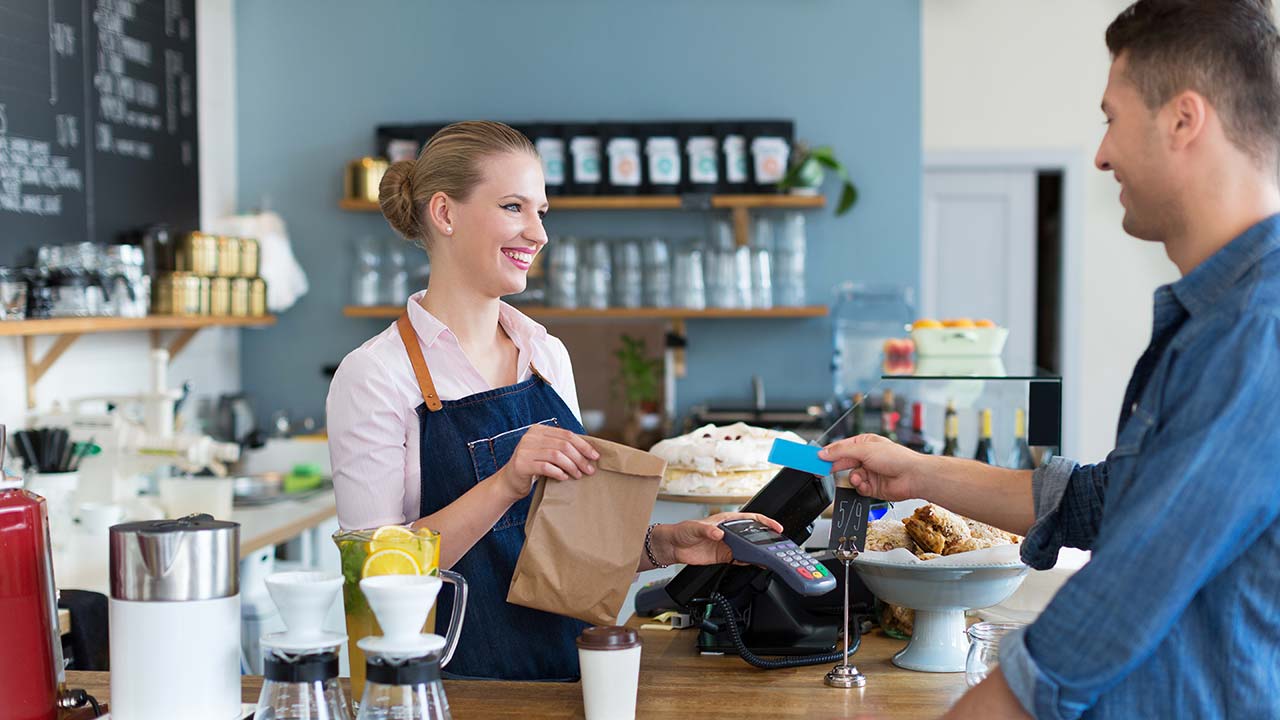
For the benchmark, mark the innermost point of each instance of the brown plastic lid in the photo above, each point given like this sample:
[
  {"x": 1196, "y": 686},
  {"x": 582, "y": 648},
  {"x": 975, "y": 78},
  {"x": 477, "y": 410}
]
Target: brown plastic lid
[{"x": 610, "y": 637}]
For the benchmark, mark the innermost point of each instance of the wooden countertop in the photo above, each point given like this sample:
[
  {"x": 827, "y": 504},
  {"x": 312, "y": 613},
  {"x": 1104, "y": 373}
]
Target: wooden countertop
[{"x": 677, "y": 683}]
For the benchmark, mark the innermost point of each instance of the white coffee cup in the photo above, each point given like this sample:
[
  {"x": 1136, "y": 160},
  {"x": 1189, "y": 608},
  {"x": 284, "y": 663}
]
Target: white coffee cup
[
  {"x": 97, "y": 518},
  {"x": 610, "y": 660}
]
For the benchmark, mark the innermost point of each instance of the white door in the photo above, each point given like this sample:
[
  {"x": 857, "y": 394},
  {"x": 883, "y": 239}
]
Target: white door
[{"x": 978, "y": 255}]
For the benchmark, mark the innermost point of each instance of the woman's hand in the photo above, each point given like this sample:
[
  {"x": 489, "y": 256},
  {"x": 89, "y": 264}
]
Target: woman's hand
[
  {"x": 547, "y": 452},
  {"x": 699, "y": 542},
  {"x": 880, "y": 468}
]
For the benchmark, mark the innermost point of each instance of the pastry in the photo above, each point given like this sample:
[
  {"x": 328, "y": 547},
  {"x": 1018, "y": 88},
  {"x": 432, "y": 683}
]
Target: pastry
[
  {"x": 730, "y": 460},
  {"x": 884, "y": 535},
  {"x": 937, "y": 530}
]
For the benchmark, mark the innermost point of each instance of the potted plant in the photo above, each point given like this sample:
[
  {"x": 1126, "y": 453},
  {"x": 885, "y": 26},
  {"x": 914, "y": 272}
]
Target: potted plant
[
  {"x": 640, "y": 381},
  {"x": 809, "y": 168}
]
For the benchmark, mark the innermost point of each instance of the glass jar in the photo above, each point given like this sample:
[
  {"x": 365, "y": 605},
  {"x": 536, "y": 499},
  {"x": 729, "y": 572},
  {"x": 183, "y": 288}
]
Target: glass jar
[
  {"x": 984, "y": 649},
  {"x": 863, "y": 317}
]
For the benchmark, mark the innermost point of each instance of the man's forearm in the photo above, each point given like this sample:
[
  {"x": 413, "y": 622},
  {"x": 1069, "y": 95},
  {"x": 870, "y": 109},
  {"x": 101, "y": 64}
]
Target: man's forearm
[{"x": 992, "y": 495}]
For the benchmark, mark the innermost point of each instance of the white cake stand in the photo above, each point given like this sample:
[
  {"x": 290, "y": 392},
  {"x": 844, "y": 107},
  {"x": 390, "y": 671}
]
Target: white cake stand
[{"x": 939, "y": 595}]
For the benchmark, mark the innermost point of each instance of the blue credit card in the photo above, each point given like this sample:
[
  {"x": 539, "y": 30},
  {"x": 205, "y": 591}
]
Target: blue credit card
[{"x": 798, "y": 457}]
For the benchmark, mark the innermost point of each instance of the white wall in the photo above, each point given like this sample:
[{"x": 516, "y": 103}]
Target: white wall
[
  {"x": 117, "y": 363},
  {"x": 1022, "y": 75}
]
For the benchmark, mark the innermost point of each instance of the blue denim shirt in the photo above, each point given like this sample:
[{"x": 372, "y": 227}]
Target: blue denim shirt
[{"x": 1178, "y": 613}]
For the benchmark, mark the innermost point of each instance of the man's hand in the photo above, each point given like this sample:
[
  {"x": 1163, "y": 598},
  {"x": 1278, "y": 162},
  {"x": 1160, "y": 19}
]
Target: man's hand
[
  {"x": 991, "y": 699},
  {"x": 880, "y": 467}
]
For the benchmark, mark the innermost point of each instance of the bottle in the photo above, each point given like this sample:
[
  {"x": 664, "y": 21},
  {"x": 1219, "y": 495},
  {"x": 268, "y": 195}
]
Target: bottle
[
  {"x": 1021, "y": 457},
  {"x": 856, "y": 423},
  {"x": 888, "y": 417},
  {"x": 986, "y": 451},
  {"x": 951, "y": 432},
  {"x": 915, "y": 437}
]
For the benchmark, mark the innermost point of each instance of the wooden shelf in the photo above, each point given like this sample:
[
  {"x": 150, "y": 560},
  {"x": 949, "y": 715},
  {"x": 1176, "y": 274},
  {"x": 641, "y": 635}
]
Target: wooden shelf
[
  {"x": 651, "y": 202},
  {"x": 673, "y": 314},
  {"x": 82, "y": 326},
  {"x": 66, "y": 331}
]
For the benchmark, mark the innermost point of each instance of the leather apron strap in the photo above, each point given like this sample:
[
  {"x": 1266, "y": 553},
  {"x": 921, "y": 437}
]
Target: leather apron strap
[{"x": 420, "y": 371}]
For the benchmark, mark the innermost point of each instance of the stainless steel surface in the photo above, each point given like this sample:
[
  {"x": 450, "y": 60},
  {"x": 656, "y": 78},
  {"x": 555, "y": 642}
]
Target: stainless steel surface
[{"x": 191, "y": 558}]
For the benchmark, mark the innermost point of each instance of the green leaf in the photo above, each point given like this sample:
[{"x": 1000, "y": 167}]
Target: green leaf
[{"x": 848, "y": 196}]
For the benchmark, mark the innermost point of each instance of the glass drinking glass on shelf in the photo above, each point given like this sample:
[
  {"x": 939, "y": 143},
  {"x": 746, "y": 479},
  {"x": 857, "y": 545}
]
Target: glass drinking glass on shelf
[
  {"x": 657, "y": 273},
  {"x": 396, "y": 283},
  {"x": 788, "y": 262},
  {"x": 721, "y": 235},
  {"x": 721, "y": 280},
  {"x": 687, "y": 279},
  {"x": 594, "y": 276},
  {"x": 366, "y": 277},
  {"x": 562, "y": 272},
  {"x": 762, "y": 233},
  {"x": 627, "y": 287},
  {"x": 742, "y": 278},
  {"x": 13, "y": 294},
  {"x": 761, "y": 279},
  {"x": 984, "y": 649}
]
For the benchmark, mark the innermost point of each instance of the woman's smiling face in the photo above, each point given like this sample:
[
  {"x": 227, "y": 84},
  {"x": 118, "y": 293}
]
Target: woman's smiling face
[{"x": 498, "y": 230}]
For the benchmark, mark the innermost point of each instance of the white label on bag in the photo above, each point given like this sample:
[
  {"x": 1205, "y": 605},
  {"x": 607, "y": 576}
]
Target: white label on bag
[
  {"x": 702, "y": 160},
  {"x": 735, "y": 158},
  {"x": 552, "y": 152},
  {"x": 770, "y": 155},
  {"x": 624, "y": 162},
  {"x": 664, "y": 160},
  {"x": 586, "y": 159}
]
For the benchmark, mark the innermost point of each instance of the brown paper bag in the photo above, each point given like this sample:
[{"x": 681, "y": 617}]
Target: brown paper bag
[{"x": 584, "y": 538}]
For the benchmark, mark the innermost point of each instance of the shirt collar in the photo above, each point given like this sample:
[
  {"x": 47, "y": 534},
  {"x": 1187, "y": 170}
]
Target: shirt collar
[
  {"x": 1201, "y": 288},
  {"x": 522, "y": 329}
]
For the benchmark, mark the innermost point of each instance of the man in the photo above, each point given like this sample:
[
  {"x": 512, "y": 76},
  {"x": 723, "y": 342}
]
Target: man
[{"x": 1178, "y": 613}]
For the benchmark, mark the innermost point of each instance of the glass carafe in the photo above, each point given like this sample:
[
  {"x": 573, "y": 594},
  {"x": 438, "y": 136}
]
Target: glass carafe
[
  {"x": 405, "y": 690},
  {"x": 302, "y": 687}
]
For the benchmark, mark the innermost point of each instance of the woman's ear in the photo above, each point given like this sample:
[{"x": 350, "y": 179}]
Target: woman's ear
[{"x": 440, "y": 214}]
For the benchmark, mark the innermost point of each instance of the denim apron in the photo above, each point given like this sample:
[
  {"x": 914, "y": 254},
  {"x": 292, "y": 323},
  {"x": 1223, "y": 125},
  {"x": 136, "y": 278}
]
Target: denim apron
[{"x": 463, "y": 442}]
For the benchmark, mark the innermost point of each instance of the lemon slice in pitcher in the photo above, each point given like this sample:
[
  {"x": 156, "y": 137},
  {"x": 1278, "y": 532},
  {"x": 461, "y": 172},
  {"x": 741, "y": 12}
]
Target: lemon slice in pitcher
[
  {"x": 390, "y": 561},
  {"x": 394, "y": 536}
]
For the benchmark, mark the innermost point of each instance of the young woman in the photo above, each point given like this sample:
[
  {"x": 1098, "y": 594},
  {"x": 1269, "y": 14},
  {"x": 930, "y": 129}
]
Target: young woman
[{"x": 445, "y": 419}]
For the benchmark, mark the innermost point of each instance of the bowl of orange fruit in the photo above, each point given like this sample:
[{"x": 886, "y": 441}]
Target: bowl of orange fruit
[{"x": 958, "y": 337}]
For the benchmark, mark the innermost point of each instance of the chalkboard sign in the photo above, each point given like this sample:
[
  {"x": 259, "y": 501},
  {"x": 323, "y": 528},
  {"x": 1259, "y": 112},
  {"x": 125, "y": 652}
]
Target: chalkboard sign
[{"x": 97, "y": 120}]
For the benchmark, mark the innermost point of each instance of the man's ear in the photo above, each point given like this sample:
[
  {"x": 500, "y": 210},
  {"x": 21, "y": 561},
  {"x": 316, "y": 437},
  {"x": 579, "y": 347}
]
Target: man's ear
[{"x": 1188, "y": 114}]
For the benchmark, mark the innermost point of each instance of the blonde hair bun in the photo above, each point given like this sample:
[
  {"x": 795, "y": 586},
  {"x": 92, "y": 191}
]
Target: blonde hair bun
[{"x": 395, "y": 196}]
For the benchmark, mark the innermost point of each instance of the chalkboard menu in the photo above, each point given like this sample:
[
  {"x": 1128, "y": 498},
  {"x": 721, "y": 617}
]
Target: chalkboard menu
[{"x": 97, "y": 120}]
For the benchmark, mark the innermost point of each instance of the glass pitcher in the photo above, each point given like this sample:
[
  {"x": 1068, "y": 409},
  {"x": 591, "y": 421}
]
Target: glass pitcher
[{"x": 390, "y": 550}]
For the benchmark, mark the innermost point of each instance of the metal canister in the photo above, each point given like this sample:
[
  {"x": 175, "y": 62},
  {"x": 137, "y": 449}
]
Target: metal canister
[
  {"x": 220, "y": 296},
  {"x": 249, "y": 258},
  {"x": 229, "y": 254},
  {"x": 363, "y": 177},
  {"x": 179, "y": 293},
  {"x": 203, "y": 296},
  {"x": 197, "y": 253},
  {"x": 162, "y": 295},
  {"x": 240, "y": 296},
  {"x": 258, "y": 297}
]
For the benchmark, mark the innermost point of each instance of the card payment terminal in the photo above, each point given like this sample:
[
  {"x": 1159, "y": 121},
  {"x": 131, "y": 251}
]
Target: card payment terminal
[{"x": 754, "y": 543}]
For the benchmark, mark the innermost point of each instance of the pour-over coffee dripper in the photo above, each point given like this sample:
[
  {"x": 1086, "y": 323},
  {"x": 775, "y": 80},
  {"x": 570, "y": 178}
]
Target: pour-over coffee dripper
[
  {"x": 300, "y": 665},
  {"x": 402, "y": 666}
]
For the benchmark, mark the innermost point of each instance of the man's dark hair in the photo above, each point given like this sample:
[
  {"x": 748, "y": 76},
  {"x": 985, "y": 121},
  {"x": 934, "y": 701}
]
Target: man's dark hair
[{"x": 1226, "y": 50}]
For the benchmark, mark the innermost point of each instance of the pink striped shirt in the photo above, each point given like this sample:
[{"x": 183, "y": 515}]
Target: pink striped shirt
[{"x": 372, "y": 409}]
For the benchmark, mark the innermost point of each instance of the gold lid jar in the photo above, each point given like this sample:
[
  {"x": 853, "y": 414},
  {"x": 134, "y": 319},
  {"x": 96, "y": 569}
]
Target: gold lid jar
[
  {"x": 228, "y": 256},
  {"x": 220, "y": 296},
  {"x": 362, "y": 178},
  {"x": 258, "y": 297},
  {"x": 250, "y": 254},
  {"x": 240, "y": 297},
  {"x": 196, "y": 253}
]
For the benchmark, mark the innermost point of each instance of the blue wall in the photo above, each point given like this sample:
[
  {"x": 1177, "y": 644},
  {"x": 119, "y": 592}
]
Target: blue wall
[{"x": 314, "y": 78}]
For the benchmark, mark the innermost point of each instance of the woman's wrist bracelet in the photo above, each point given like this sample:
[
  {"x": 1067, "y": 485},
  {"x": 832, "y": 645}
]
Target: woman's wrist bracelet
[{"x": 648, "y": 547}]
